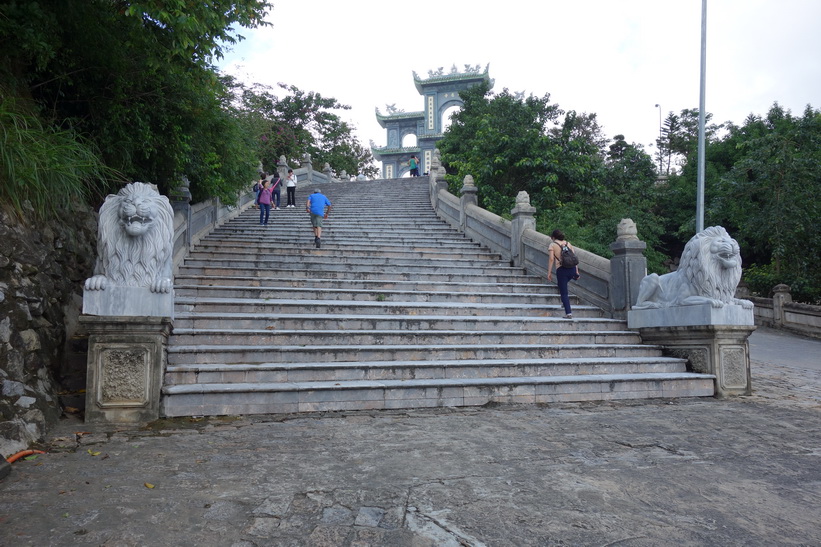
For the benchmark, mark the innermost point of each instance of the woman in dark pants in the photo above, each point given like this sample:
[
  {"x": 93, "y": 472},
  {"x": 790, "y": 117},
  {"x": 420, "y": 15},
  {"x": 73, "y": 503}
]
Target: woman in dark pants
[{"x": 563, "y": 275}]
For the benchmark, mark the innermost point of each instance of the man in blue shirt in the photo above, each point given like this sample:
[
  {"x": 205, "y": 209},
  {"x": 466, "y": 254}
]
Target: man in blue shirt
[{"x": 320, "y": 207}]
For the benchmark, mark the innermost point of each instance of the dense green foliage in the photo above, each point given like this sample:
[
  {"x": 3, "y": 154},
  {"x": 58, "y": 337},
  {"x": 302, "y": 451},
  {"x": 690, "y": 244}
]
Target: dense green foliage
[
  {"x": 43, "y": 166},
  {"x": 299, "y": 123},
  {"x": 127, "y": 89},
  {"x": 511, "y": 143},
  {"x": 762, "y": 179}
]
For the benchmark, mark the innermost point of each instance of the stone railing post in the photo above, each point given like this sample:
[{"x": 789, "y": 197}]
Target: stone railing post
[
  {"x": 181, "y": 202},
  {"x": 469, "y": 197},
  {"x": 308, "y": 166},
  {"x": 523, "y": 219},
  {"x": 433, "y": 177},
  {"x": 781, "y": 296},
  {"x": 282, "y": 168},
  {"x": 439, "y": 184},
  {"x": 326, "y": 170},
  {"x": 627, "y": 268}
]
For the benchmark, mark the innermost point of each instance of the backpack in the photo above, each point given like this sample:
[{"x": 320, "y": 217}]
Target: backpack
[{"x": 569, "y": 258}]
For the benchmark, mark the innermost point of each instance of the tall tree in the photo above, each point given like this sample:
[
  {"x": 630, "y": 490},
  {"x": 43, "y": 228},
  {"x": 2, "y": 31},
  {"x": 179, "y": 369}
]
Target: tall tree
[
  {"x": 133, "y": 78},
  {"x": 770, "y": 198},
  {"x": 502, "y": 142},
  {"x": 301, "y": 122}
]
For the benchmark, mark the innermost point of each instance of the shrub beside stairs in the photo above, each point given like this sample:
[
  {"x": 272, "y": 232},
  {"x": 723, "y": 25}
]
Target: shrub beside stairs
[{"x": 395, "y": 310}]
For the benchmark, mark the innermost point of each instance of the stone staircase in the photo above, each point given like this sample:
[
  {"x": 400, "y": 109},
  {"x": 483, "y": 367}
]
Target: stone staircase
[{"x": 396, "y": 310}]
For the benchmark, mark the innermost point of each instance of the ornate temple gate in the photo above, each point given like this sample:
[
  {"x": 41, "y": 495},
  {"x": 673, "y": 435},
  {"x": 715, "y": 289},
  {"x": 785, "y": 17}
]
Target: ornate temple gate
[{"x": 440, "y": 92}]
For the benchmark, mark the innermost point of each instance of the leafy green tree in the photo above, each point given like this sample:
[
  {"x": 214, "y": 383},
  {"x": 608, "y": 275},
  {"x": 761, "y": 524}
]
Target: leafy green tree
[
  {"x": 510, "y": 143},
  {"x": 196, "y": 30},
  {"x": 503, "y": 143},
  {"x": 770, "y": 198},
  {"x": 133, "y": 78},
  {"x": 300, "y": 122}
]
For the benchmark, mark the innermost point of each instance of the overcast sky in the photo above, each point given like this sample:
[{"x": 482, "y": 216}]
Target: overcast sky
[{"x": 616, "y": 58}]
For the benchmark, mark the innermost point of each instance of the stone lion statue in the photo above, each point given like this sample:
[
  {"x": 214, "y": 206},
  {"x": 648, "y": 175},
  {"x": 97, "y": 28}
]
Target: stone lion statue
[
  {"x": 709, "y": 272},
  {"x": 135, "y": 239}
]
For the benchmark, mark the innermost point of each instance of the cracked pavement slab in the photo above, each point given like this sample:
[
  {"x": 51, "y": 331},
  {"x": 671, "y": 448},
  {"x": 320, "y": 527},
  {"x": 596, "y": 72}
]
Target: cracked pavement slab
[{"x": 744, "y": 471}]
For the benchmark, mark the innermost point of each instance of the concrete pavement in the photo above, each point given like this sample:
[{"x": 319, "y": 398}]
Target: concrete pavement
[{"x": 743, "y": 471}]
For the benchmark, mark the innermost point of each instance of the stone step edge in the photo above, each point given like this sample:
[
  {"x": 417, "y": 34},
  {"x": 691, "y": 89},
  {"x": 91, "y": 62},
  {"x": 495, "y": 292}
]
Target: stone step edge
[
  {"x": 381, "y": 317},
  {"x": 378, "y": 287},
  {"x": 184, "y": 300},
  {"x": 344, "y": 385},
  {"x": 392, "y": 332},
  {"x": 221, "y": 348},
  {"x": 295, "y": 292},
  {"x": 488, "y": 363},
  {"x": 360, "y": 291}
]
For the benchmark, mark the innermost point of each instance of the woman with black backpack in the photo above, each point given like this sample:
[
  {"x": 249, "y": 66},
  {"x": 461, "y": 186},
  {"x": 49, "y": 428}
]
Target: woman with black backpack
[{"x": 562, "y": 254}]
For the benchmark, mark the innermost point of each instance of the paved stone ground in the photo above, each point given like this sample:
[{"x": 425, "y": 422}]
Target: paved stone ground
[{"x": 745, "y": 471}]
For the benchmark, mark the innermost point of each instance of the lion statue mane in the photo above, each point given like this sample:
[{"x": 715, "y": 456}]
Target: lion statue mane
[
  {"x": 135, "y": 239},
  {"x": 708, "y": 272}
]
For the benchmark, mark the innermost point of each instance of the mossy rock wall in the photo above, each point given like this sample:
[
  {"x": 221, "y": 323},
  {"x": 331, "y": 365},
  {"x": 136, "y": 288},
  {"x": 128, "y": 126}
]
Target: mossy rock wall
[{"x": 43, "y": 265}]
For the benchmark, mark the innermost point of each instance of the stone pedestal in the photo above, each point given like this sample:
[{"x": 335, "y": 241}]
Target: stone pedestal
[
  {"x": 722, "y": 350},
  {"x": 118, "y": 300},
  {"x": 126, "y": 363}
]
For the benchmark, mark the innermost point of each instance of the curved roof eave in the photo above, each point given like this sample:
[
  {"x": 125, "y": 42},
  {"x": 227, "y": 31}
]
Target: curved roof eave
[{"x": 452, "y": 77}]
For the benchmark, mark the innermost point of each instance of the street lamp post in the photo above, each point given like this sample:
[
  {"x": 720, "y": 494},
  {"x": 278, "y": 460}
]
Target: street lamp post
[
  {"x": 659, "y": 144},
  {"x": 701, "y": 122}
]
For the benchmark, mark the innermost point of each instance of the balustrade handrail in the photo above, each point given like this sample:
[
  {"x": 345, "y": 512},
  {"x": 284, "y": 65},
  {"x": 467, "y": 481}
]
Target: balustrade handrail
[{"x": 518, "y": 241}]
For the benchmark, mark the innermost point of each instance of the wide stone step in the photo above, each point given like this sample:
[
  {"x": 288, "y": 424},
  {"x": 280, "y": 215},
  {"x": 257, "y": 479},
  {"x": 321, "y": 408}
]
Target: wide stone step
[
  {"x": 299, "y": 241},
  {"x": 279, "y": 305},
  {"x": 227, "y": 248},
  {"x": 415, "y": 370},
  {"x": 419, "y": 323},
  {"x": 214, "y": 353},
  {"x": 294, "y": 337},
  {"x": 384, "y": 295},
  {"x": 422, "y": 224},
  {"x": 308, "y": 261},
  {"x": 284, "y": 273},
  {"x": 219, "y": 399},
  {"x": 536, "y": 286},
  {"x": 344, "y": 265}
]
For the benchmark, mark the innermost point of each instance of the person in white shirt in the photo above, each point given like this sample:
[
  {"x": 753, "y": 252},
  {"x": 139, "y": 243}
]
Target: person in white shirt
[{"x": 290, "y": 187}]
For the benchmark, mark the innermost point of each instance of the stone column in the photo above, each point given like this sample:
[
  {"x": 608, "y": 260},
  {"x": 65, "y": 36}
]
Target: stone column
[
  {"x": 627, "y": 268},
  {"x": 469, "y": 197},
  {"x": 180, "y": 200},
  {"x": 308, "y": 166},
  {"x": 433, "y": 176},
  {"x": 282, "y": 168},
  {"x": 126, "y": 363},
  {"x": 781, "y": 295},
  {"x": 720, "y": 350},
  {"x": 523, "y": 219}
]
